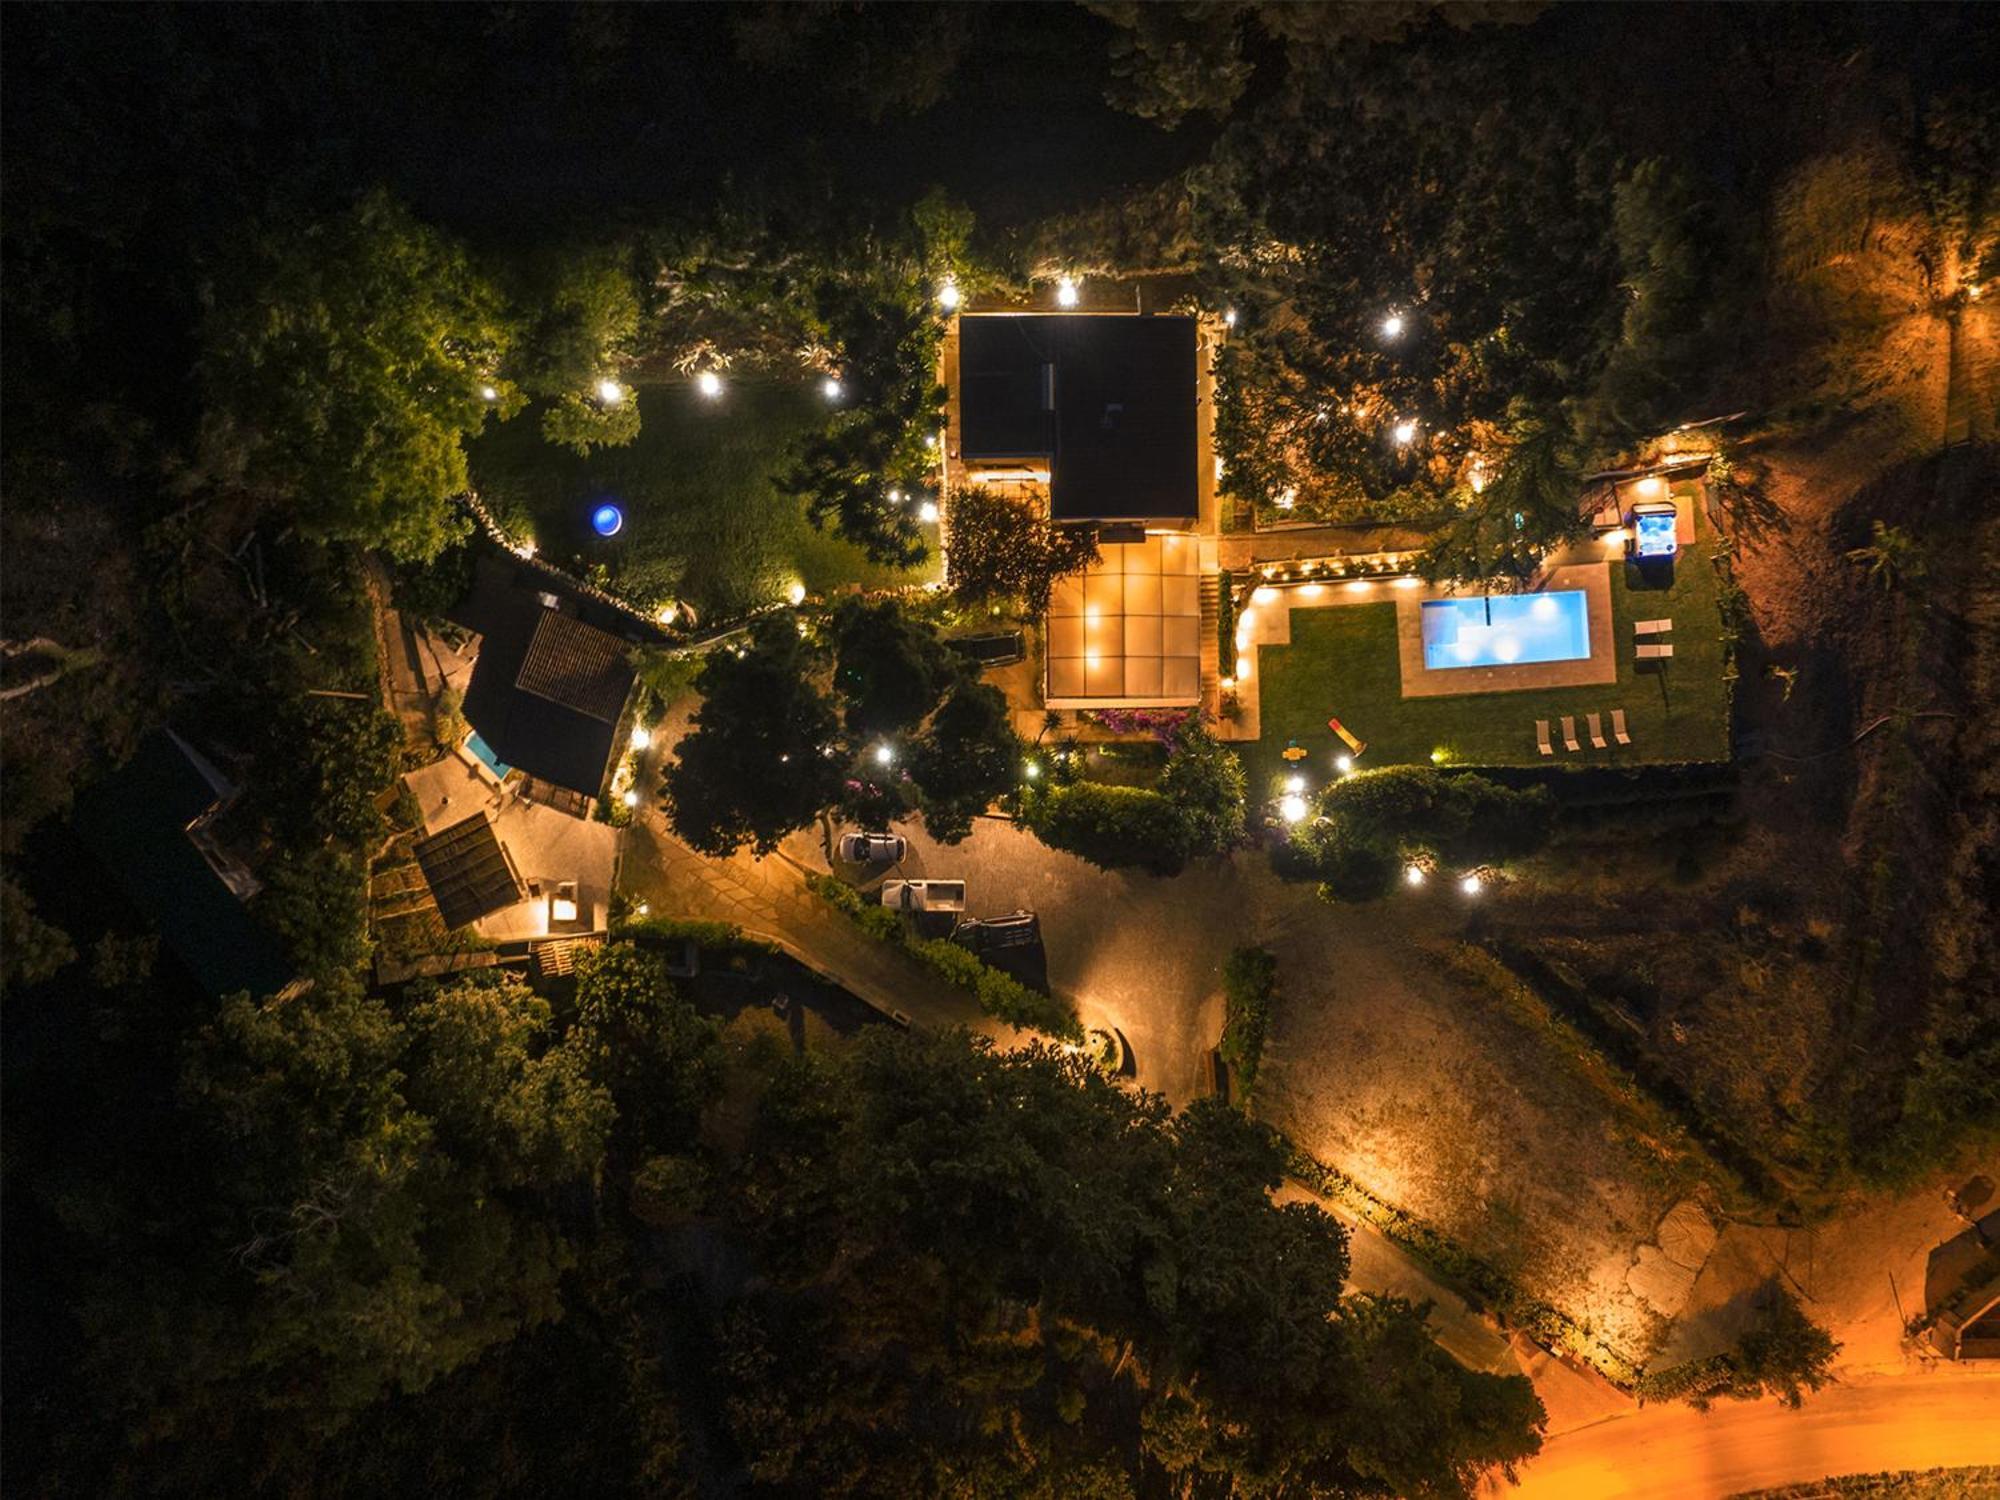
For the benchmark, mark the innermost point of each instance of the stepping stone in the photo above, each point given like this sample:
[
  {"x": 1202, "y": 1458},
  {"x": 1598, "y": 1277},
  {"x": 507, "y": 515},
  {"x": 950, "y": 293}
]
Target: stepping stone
[
  {"x": 1662, "y": 1284},
  {"x": 1686, "y": 1235}
]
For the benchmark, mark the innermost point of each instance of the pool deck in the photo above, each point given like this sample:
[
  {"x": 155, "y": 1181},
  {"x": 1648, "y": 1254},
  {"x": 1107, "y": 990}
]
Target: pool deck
[{"x": 1592, "y": 580}]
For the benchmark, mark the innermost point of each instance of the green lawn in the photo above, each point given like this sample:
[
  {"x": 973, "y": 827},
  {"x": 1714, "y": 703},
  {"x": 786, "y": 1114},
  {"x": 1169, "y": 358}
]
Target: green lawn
[
  {"x": 702, "y": 520},
  {"x": 1342, "y": 663}
]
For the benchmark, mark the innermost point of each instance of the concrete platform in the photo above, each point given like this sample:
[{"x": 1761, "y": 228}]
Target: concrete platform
[{"x": 547, "y": 847}]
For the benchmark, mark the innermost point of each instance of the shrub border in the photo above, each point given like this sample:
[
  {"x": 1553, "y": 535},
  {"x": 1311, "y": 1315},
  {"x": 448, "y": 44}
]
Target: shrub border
[{"x": 999, "y": 994}]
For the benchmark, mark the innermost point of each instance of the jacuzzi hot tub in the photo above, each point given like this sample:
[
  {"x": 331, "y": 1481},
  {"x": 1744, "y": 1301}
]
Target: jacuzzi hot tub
[{"x": 1655, "y": 528}]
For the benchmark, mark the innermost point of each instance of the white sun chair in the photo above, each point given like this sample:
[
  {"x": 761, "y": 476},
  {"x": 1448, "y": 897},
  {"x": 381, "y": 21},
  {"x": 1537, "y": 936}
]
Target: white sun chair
[
  {"x": 1597, "y": 732},
  {"x": 1542, "y": 737},
  {"x": 1618, "y": 727},
  {"x": 1569, "y": 734}
]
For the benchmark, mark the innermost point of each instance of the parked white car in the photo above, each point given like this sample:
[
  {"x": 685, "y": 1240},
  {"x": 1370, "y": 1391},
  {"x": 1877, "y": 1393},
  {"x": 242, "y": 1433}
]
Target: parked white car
[
  {"x": 924, "y": 895},
  {"x": 873, "y": 848}
]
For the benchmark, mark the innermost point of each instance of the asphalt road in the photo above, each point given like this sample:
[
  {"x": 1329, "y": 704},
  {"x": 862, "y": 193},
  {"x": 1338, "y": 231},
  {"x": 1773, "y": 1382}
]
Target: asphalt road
[{"x": 1945, "y": 1418}]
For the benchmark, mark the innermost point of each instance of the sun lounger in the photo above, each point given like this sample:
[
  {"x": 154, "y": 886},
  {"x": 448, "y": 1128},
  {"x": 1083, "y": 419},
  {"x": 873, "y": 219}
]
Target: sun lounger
[
  {"x": 1618, "y": 727},
  {"x": 1597, "y": 732},
  {"x": 1542, "y": 737},
  {"x": 1654, "y": 653},
  {"x": 1569, "y": 734},
  {"x": 1651, "y": 627}
]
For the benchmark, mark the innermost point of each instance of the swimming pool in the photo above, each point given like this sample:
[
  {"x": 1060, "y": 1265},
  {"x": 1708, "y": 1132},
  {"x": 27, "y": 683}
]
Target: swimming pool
[
  {"x": 1521, "y": 629},
  {"x": 485, "y": 754}
]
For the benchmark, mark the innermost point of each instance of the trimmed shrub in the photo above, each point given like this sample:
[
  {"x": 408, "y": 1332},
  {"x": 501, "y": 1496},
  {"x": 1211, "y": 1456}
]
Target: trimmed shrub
[
  {"x": 1111, "y": 826},
  {"x": 1348, "y": 868},
  {"x": 648, "y": 931},
  {"x": 1374, "y": 820},
  {"x": 1250, "y": 994},
  {"x": 1204, "y": 780}
]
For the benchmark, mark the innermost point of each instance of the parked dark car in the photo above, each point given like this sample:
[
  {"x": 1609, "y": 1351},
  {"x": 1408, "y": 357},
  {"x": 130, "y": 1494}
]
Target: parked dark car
[
  {"x": 999, "y": 649},
  {"x": 983, "y": 935}
]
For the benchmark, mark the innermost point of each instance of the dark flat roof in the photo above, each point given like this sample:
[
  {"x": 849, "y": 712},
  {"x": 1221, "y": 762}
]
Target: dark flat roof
[
  {"x": 548, "y": 688},
  {"x": 135, "y": 821},
  {"x": 1108, "y": 400}
]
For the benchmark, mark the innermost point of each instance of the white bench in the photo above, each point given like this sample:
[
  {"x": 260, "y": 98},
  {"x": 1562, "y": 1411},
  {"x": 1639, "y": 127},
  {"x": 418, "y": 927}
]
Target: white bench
[
  {"x": 1651, "y": 627},
  {"x": 1654, "y": 653}
]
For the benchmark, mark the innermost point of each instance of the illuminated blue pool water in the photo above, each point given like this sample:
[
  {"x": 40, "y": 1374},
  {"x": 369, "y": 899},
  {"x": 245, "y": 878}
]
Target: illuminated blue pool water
[
  {"x": 485, "y": 753},
  {"x": 1521, "y": 629}
]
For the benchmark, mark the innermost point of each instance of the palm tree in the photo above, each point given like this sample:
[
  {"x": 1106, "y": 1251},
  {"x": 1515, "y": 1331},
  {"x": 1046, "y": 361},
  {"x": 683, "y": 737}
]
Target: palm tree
[{"x": 1893, "y": 558}]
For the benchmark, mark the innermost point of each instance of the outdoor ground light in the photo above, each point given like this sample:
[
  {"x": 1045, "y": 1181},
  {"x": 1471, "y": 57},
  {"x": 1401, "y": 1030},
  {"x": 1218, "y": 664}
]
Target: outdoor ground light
[
  {"x": 642, "y": 737},
  {"x": 1405, "y": 432},
  {"x": 1392, "y": 326},
  {"x": 645, "y": 908},
  {"x": 948, "y": 296},
  {"x": 895, "y": 497},
  {"x": 610, "y": 392},
  {"x": 1295, "y": 784},
  {"x": 1066, "y": 292},
  {"x": 631, "y": 799},
  {"x": 1412, "y": 875},
  {"x": 1343, "y": 763},
  {"x": 927, "y": 512},
  {"x": 885, "y": 755},
  {"x": 1470, "y": 885},
  {"x": 709, "y": 384},
  {"x": 487, "y": 393},
  {"x": 1292, "y": 808},
  {"x": 830, "y": 388},
  {"x": 666, "y": 614},
  {"x": 607, "y": 520},
  {"x": 1031, "y": 770},
  {"x": 1229, "y": 318},
  {"x": 796, "y": 592}
]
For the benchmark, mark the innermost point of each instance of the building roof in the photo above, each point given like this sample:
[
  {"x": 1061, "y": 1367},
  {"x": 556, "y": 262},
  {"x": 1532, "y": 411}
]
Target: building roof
[
  {"x": 468, "y": 871},
  {"x": 576, "y": 666},
  {"x": 1107, "y": 400},
  {"x": 136, "y": 821},
  {"x": 549, "y": 686},
  {"x": 1127, "y": 631}
]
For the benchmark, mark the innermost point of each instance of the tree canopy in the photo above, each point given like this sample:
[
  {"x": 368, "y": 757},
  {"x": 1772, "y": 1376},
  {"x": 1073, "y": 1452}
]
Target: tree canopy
[
  {"x": 760, "y": 761},
  {"x": 344, "y": 369}
]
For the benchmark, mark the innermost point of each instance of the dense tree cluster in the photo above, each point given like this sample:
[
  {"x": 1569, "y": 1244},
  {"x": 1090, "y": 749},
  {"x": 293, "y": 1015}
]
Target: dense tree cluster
[
  {"x": 884, "y": 720},
  {"x": 1106, "y": 1298},
  {"x": 1004, "y": 547}
]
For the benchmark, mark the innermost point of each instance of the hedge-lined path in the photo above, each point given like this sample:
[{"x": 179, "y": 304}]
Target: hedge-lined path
[{"x": 768, "y": 898}]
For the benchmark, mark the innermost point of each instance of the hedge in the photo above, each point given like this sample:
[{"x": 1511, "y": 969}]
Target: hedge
[
  {"x": 1250, "y": 991},
  {"x": 999, "y": 994},
  {"x": 711, "y": 935},
  {"x": 1111, "y": 826}
]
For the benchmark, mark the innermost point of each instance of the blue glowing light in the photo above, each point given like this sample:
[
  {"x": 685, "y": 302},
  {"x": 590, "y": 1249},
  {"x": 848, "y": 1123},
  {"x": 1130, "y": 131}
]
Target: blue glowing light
[{"x": 606, "y": 520}]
